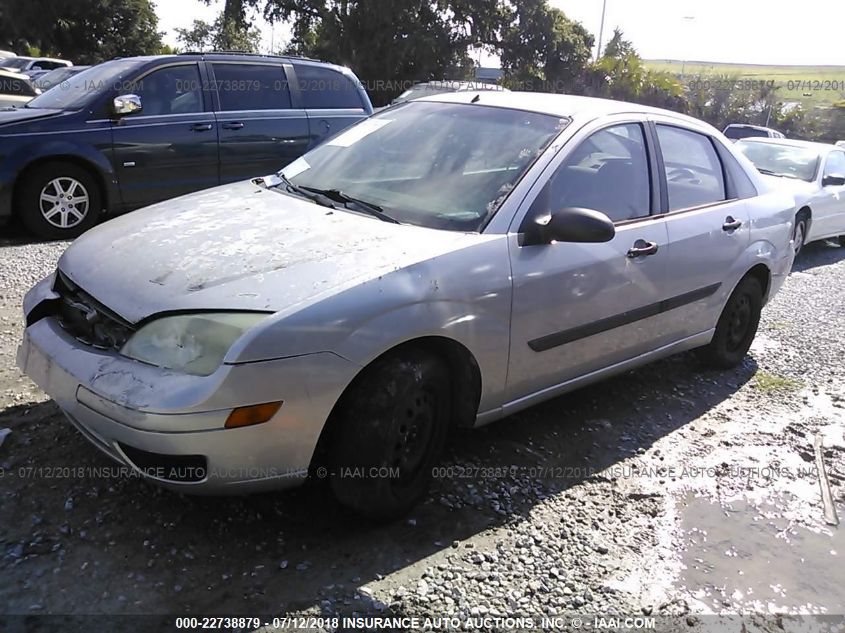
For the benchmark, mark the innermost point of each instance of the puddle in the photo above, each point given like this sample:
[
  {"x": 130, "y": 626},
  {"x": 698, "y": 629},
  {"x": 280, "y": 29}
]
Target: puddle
[{"x": 748, "y": 558}]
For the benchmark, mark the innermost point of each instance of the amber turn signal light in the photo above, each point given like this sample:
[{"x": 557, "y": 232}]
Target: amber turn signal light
[{"x": 254, "y": 414}]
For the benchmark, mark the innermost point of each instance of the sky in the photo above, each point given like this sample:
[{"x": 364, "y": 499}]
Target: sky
[{"x": 739, "y": 31}]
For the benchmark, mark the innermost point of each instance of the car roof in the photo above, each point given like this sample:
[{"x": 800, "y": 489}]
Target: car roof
[
  {"x": 569, "y": 106},
  {"x": 234, "y": 55},
  {"x": 821, "y": 147}
]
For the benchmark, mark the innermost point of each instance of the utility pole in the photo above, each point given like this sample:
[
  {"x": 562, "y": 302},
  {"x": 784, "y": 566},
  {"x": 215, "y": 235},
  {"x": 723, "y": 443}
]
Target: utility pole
[
  {"x": 688, "y": 19},
  {"x": 601, "y": 28}
]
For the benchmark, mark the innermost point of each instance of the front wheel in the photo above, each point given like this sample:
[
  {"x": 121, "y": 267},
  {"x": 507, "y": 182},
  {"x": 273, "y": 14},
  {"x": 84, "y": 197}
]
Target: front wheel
[
  {"x": 391, "y": 426},
  {"x": 800, "y": 234},
  {"x": 736, "y": 327},
  {"x": 59, "y": 201}
]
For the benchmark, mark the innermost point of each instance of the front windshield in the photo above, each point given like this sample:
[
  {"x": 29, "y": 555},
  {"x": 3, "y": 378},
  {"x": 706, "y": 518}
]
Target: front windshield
[
  {"x": 18, "y": 63},
  {"x": 75, "y": 92},
  {"x": 440, "y": 165},
  {"x": 788, "y": 161}
]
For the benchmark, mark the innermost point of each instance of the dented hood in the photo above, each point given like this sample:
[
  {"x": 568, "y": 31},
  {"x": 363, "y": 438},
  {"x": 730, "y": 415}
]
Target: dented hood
[{"x": 240, "y": 247}]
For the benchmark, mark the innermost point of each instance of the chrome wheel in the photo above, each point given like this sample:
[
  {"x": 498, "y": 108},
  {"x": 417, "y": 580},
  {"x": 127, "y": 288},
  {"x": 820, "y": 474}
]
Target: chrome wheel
[{"x": 64, "y": 202}]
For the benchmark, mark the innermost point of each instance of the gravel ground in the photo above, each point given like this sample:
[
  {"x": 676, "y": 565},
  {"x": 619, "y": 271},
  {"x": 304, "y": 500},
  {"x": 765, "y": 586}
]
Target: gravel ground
[{"x": 668, "y": 491}]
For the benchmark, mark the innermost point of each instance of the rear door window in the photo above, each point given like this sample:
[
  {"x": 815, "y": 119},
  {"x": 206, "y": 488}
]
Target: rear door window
[
  {"x": 324, "y": 88},
  {"x": 251, "y": 87},
  {"x": 694, "y": 174}
]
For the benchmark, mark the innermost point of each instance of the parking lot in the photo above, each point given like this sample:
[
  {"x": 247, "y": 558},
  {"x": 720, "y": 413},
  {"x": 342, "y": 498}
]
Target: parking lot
[{"x": 667, "y": 491}]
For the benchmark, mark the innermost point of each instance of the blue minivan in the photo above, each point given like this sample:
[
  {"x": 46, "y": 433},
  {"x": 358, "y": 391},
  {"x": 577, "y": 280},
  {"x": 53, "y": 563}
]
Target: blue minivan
[{"x": 131, "y": 132}]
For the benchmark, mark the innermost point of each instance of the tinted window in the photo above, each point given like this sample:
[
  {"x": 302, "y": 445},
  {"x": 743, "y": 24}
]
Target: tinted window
[
  {"x": 47, "y": 65},
  {"x": 170, "y": 90},
  {"x": 693, "y": 171},
  {"x": 745, "y": 132},
  {"x": 15, "y": 86},
  {"x": 608, "y": 172},
  {"x": 835, "y": 164},
  {"x": 251, "y": 87},
  {"x": 325, "y": 88}
]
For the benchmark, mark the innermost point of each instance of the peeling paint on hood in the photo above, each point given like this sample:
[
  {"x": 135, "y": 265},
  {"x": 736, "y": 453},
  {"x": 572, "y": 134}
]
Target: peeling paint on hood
[{"x": 240, "y": 247}]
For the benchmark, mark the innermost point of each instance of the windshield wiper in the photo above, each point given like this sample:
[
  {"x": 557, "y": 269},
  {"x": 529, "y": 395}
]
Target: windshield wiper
[
  {"x": 769, "y": 172},
  {"x": 280, "y": 181},
  {"x": 369, "y": 207}
]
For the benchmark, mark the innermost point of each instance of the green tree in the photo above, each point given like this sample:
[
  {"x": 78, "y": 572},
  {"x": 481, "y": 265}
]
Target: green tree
[
  {"x": 84, "y": 31},
  {"x": 621, "y": 74},
  {"x": 542, "y": 49},
  {"x": 618, "y": 47},
  {"x": 231, "y": 30},
  {"x": 389, "y": 44},
  {"x": 221, "y": 35}
]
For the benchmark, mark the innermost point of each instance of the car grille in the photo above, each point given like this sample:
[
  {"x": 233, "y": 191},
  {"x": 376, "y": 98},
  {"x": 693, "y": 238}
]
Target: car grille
[{"x": 87, "y": 320}]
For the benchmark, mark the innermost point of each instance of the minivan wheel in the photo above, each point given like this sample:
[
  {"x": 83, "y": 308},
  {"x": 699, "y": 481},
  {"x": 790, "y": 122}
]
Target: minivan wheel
[
  {"x": 59, "y": 201},
  {"x": 391, "y": 427},
  {"x": 736, "y": 328}
]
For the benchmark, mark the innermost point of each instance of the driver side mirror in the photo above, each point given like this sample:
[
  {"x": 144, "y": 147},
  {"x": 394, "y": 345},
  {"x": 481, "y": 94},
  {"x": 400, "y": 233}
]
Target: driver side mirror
[
  {"x": 833, "y": 180},
  {"x": 571, "y": 224},
  {"x": 126, "y": 104}
]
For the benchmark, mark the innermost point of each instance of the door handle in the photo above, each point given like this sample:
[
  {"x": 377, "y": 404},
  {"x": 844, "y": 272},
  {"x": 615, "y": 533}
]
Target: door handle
[
  {"x": 731, "y": 224},
  {"x": 233, "y": 125},
  {"x": 201, "y": 127},
  {"x": 641, "y": 248}
]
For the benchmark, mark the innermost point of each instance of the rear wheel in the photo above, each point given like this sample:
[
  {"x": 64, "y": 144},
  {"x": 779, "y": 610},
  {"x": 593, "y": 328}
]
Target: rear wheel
[
  {"x": 737, "y": 326},
  {"x": 59, "y": 201},
  {"x": 391, "y": 427}
]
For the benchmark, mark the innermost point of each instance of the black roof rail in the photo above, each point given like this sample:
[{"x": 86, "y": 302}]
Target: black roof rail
[{"x": 247, "y": 54}]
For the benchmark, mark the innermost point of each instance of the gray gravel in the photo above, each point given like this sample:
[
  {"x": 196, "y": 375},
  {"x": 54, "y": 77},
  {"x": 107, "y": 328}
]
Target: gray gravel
[{"x": 669, "y": 491}]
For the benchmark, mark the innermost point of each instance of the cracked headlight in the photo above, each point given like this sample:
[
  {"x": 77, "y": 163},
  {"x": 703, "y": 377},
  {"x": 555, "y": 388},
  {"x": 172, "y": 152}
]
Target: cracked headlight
[{"x": 191, "y": 343}]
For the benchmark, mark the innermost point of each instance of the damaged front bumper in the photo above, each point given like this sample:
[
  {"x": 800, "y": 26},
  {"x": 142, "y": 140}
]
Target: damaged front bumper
[{"x": 169, "y": 427}]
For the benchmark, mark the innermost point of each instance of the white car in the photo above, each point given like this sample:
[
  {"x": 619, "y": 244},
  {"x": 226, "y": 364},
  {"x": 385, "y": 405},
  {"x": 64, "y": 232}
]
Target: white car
[
  {"x": 840, "y": 143},
  {"x": 814, "y": 173},
  {"x": 15, "y": 90},
  {"x": 22, "y": 64}
]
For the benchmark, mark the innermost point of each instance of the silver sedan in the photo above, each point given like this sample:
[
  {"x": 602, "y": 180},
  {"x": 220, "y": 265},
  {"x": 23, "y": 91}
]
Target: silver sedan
[
  {"x": 445, "y": 263},
  {"x": 812, "y": 172}
]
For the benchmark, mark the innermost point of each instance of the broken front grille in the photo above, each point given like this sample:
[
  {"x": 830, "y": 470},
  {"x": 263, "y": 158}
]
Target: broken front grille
[{"x": 88, "y": 321}]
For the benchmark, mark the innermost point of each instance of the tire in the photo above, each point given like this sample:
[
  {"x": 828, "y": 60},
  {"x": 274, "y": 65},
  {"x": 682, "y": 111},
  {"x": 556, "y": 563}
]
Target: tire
[
  {"x": 736, "y": 328},
  {"x": 396, "y": 415},
  {"x": 44, "y": 208},
  {"x": 842, "y": 241},
  {"x": 800, "y": 235}
]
